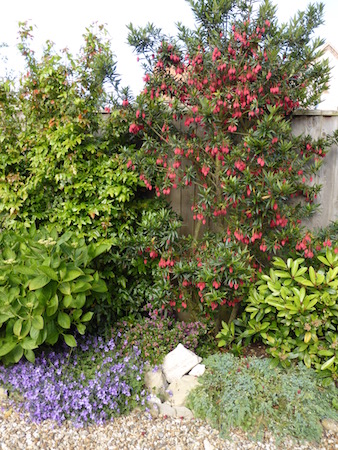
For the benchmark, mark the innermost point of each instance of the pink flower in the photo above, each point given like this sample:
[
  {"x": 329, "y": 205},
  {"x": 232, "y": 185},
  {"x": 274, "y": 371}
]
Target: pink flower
[
  {"x": 216, "y": 54},
  {"x": 205, "y": 170},
  {"x": 260, "y": 161},
  {"x": 240, "y": 165},
  {"x": 201, "y": 285},
  {"x": 134, "y": 128}
]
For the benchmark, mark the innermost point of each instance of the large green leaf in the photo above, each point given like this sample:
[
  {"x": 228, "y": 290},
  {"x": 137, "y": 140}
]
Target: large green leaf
[
  {"x": 29, "y": 355},
  {"x": 328, "y": 363},
  {"x": 64, "y": 320},
  {"x": 7, "y": 347},
  {"x": 28, "y": 344},
  {"x": 38, "y": 282},
  {"x": 49, "y": 272},
  {"x": 17, "y": 327},
  {"x": 72, "y": 274},
  {"x": 96, "y": 250},
  {"x": 52, "y": 333},
  {"x": 80, "y": 287},
  {"x": 52, "y": 305},
  {"x": 37, "y": 322},
  {"x": 16, "y": 354},
  {"x": 69, "y": 340},
  {"x": 99, "y": 286},
  {"x": 81, "y": 328},
  {"x": 307, "y": 360},
  {"x": 64, "y": 288},
  {"x": 87, "y": 317}
]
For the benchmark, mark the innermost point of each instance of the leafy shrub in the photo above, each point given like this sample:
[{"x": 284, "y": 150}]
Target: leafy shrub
[
  {"x": 215, "y": 271},
  {"x": 63, "y": 165},
  {"x": 294, "y": 311},
  {"x": 46, "y": 290},
  {"x": 214, "y": 114},
  {"x": 131, "y": 268},
  {"x": 91, "y": 383},
  {"x": 327, "y": 237},
  {"x": 250, "y": 394},
  {"x": 159, "y": 333}
]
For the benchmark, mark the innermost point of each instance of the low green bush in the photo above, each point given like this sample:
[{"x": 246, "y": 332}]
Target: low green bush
[
  {"x": 248, "y": 393},
  {"x": 47, "y": 289},
  {"x": 294, "y": 311}
]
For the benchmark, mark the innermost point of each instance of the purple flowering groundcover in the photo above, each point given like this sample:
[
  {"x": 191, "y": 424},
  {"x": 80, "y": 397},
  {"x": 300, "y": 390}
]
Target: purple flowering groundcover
[{"x": 91, "y": 383}]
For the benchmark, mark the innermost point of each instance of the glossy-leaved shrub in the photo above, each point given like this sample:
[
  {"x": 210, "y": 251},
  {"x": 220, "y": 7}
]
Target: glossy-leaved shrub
[
  {"x": 47, "y": 290},
  {"x": 293, "y": 309}
]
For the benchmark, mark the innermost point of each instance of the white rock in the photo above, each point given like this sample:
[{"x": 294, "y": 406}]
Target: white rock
[
  {"x": 197, "y": 371},
  {"x": 182, "y": 411},
  {"x": 167, "y": 410},
  {"x": 155, "y": 380},
  {"x": 181, "y": 388},
  {"x": 154, "y": 410},
  {"x": 207, "y": 445},
  {"x": 154, "y": 400},
  {"x": 179, "y": 362}
]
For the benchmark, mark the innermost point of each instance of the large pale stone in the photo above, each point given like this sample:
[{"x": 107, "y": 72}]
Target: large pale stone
[
  {"x": 167, "y": 410},
  {"x": 155, "y": 381},
  {"x": 152, "y": 399},
  {"x": 181, "y": 388},
  {"x": 182, "y": 411},
  {"x": 197, "y": 371},
  {"x": 179, "y": 362}
]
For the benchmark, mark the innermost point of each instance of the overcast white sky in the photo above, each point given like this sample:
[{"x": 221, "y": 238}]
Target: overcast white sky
[{"x": 64, "y": 22}]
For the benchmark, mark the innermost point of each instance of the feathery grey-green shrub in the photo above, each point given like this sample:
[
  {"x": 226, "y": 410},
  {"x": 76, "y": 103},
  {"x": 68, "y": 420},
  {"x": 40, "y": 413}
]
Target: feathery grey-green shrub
[{"x": 249, "y": 394}]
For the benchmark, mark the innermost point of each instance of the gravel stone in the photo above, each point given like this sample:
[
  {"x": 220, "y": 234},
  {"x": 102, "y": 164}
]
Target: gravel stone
[{"x": 137, "y": 431}]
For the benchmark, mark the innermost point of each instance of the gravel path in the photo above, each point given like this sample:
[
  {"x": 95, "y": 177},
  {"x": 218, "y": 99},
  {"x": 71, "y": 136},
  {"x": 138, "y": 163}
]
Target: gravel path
[{"x": 134, "y": 432}]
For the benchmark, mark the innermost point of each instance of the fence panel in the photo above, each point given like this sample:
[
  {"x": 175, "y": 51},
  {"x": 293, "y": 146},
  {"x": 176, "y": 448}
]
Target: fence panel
[{"x": 315, "y": 123}]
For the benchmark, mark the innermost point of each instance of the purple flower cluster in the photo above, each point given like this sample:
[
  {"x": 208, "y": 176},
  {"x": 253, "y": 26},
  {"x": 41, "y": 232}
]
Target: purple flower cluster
[
  {"x": 159, "y": 333},
  {"x": 91, "y": 383}
]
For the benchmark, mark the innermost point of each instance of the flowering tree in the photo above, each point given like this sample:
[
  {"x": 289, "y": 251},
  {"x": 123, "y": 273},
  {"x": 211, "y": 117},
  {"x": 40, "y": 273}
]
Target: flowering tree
[{"x": 215, "y": 112}]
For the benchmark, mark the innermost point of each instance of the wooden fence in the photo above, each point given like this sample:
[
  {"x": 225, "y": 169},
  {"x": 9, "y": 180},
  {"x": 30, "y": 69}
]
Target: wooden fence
[{"x": 315, "y": 123}]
